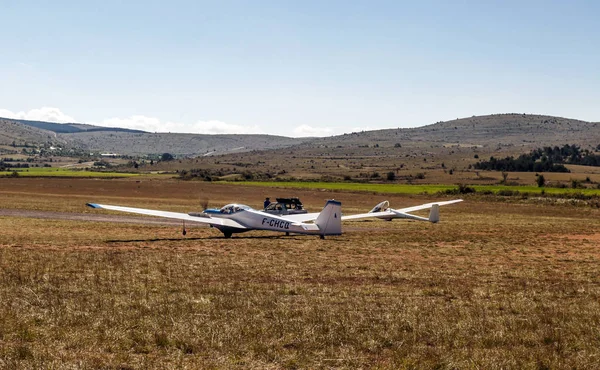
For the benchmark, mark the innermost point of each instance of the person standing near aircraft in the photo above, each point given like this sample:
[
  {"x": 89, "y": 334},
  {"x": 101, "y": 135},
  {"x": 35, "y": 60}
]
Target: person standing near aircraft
[{"x": 267, "y": 202}]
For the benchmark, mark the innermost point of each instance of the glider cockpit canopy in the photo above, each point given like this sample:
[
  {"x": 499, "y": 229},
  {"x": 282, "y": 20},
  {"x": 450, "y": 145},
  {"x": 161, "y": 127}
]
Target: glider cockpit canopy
[
  {"x": 381, "y": 207},
  {"x": 234, "y": 208}
]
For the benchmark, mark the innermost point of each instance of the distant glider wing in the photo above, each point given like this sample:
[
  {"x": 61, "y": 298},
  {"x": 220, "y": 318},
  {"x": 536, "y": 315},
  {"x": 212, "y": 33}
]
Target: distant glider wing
[
  {"x": 368, "y": 215},
  {"x": 175, "y": 215},
  {"x": 426, "y": 206}
]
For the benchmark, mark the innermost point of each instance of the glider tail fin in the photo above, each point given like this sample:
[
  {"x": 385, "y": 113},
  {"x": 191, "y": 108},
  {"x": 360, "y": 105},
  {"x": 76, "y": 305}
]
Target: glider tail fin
[
  {"x": 434, "y": 214},
  {"x": 329, "y": 220}
]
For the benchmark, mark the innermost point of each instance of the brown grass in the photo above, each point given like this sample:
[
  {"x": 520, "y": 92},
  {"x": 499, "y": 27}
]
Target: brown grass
[{"x": 491, "y": 286}]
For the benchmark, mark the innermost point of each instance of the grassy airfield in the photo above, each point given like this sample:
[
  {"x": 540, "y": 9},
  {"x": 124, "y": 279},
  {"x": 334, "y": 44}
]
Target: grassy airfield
[{"x": 511, "y": 284}]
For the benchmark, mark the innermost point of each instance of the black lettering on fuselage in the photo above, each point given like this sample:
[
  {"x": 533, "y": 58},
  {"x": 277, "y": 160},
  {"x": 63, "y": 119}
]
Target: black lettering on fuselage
[{"x": 277, "y": 223}]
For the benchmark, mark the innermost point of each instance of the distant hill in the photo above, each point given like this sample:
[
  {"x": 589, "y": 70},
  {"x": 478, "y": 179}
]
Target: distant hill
[
  {"x": 69, "y": 128},
  {"x": 178, "y": 144},
  {"x": 514, "y": 133},
  {"x": 516, "y": 130},
  {"x": 12, "y": 131},
  {"x": 133, "y": 142},
  {"x": 444, "y": 152}
]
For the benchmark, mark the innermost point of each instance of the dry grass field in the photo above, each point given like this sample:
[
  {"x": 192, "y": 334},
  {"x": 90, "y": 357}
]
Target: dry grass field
[{"x": 493, "y": 285}]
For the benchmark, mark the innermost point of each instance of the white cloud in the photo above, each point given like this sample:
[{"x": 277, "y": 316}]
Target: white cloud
[
  {"x": 360, "y": 129},
  {"x": 48, "y": 114},
  {"x": 152, "y": 124},
  {"x": 5, "y": 113},
  {"x": 306, "y": 130},
  {"x": 25, "y": 65},
  {"x": 218, "y": 127},
  {"x": 136, "y": 122}
]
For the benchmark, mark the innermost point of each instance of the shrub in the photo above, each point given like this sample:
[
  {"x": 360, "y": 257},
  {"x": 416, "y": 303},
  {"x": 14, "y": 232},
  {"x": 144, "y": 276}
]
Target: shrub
[
  {"x": 167, "y": 157},
  {"x": 465, "y": 189},
  {"x": 541, "y": 181},
  {"x": 508, "y": 193},
  {"x": 576, "y": 184},
  {"x": 461, "y": 189}
]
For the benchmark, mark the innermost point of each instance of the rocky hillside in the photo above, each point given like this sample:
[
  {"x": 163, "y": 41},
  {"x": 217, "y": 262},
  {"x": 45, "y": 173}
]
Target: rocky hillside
[
  {"x": 133, "y": 142},
  {"x": 515, "y": 133},
  {"x": 498, "y": 130},
  {"x": 179, "y": 144},
  {"x": 12, "y": 131}
]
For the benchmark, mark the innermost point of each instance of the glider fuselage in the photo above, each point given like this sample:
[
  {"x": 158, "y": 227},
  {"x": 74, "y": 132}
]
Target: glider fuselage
[{"x": 252, "y": 219}]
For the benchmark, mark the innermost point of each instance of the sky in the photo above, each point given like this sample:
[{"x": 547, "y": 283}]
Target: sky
[{"x": 296, "y": 68}]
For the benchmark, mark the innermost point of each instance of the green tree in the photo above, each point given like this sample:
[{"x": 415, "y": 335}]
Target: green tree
[
  {"x": 167, "y": 157},
  {"x": 541, "y": 181}
]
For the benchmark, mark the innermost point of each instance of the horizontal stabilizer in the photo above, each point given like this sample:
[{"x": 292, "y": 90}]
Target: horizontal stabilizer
[{"x": 408, "y": 216}]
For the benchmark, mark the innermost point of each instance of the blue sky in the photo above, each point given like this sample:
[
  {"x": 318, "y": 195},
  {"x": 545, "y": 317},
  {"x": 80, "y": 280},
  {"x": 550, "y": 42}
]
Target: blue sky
[{"x": 296, "y": 68}]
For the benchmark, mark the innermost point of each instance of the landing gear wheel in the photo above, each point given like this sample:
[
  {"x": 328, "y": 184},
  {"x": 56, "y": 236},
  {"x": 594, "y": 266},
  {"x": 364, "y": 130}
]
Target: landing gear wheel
[{"x": 227, "y": 234}]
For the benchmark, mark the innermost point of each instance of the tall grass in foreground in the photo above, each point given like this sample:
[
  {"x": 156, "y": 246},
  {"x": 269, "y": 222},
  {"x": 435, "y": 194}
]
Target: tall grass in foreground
[{"x": 476, "y": 291}]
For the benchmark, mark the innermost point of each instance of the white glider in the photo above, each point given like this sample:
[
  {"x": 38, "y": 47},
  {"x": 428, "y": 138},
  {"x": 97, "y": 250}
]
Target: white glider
[
  {"x": 239, "y": 218},
  {"x": 384, "y": 212}
]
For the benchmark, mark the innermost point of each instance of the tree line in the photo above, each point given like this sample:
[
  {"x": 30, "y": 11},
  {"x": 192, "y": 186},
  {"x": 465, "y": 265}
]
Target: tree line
[{"x": 546, "y": 159}]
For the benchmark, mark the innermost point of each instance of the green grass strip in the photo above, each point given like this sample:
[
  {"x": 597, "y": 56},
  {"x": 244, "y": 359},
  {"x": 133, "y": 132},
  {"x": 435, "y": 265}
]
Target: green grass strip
[{"x": 408, "y": 189}]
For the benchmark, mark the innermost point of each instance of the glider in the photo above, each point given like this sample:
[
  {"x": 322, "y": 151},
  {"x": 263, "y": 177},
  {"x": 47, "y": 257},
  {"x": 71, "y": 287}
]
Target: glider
[
  {"x": 239, "y": 218},
  {"x": 384, "y": 212}
]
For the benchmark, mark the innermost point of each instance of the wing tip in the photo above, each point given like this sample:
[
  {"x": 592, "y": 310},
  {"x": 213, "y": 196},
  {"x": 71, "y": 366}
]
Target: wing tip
[{"x": 93, "y": 205}]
